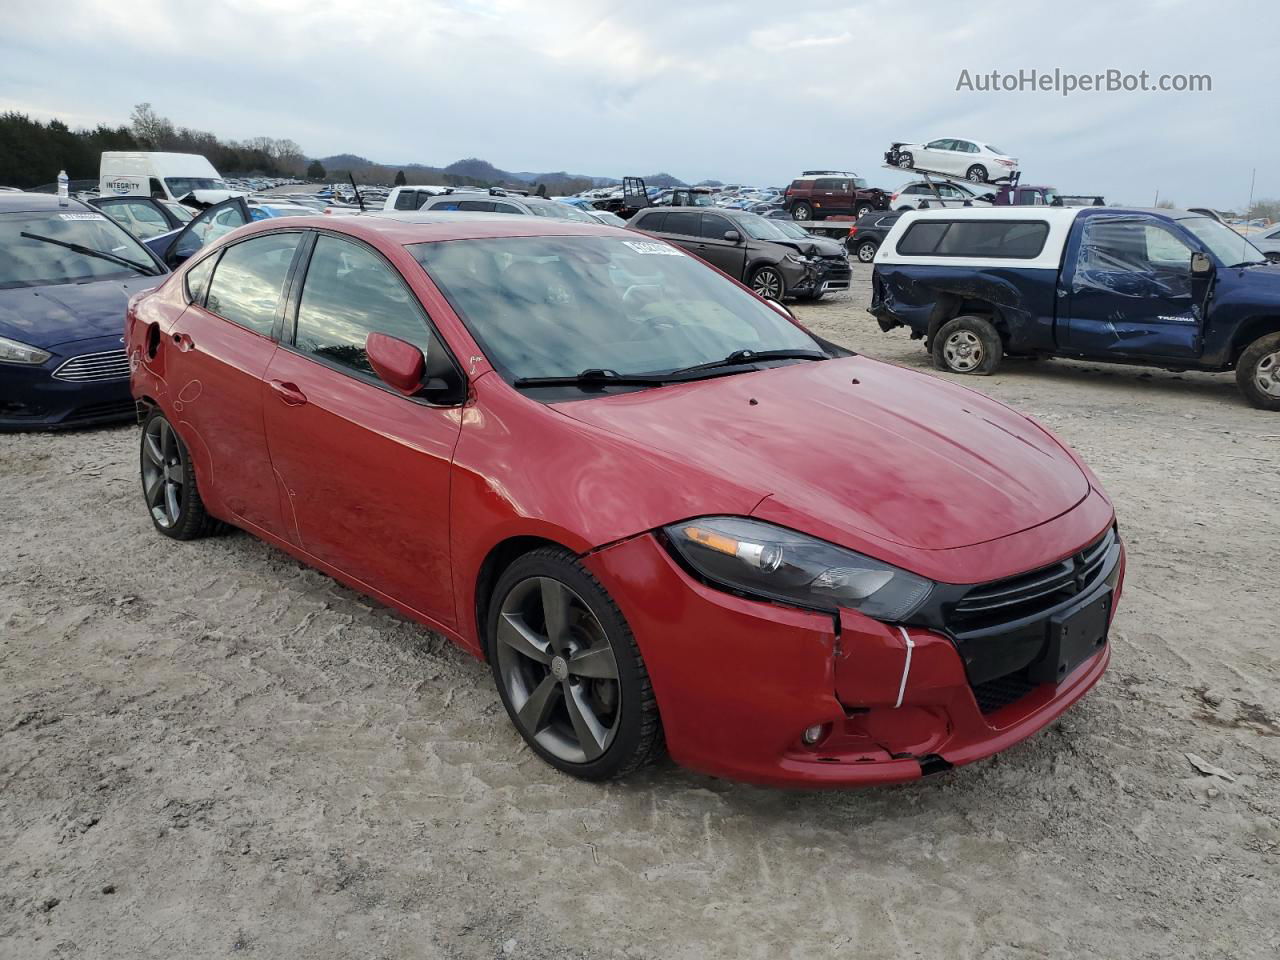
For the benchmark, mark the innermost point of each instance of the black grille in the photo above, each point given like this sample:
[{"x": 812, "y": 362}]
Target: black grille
[
  {"x": 1002, "y": 691},
  {"x": 1028, "y": 594},
  {"x": 124, "y": 409}
]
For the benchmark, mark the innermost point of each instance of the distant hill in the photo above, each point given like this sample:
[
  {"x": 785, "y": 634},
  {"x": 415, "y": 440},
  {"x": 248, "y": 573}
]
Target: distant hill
[{"x": 473, "y": 170}]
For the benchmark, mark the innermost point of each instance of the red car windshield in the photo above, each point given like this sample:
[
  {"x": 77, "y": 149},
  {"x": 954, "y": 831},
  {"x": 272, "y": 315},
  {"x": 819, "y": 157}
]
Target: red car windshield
[{"x": 555, "y": 306}]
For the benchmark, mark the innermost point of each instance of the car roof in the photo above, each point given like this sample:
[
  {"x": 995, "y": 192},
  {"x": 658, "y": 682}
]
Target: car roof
[
  {"x": 32, "y": 202},
  {"x": 408, "y": 226}
]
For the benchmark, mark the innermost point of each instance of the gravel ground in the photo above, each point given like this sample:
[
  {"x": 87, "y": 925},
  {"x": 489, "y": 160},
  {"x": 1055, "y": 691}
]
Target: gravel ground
[{"x": 207, "y": 750}]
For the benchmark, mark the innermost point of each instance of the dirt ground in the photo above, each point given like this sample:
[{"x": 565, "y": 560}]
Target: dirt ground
[{"x": 207, "y": 750}]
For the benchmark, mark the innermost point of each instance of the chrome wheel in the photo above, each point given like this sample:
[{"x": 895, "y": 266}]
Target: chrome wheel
[
  {"x": 801, "y": 211},
  {"x": 768, "y": 283},
  {"x": 164, "y": 473},
  {"x": 963, "y": 351},
  {"x": 1267, "y": 374},
  {"x": 558, "y": 670}
]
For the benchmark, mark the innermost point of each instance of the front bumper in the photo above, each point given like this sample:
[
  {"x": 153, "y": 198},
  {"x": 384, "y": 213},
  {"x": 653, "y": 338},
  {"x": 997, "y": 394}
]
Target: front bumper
[
  {"x": 739, "y": 680},
  {"x": 32, "y": 398}
]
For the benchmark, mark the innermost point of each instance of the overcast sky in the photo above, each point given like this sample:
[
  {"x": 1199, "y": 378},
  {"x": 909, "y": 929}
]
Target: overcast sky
[{"x": 749, "y": 92}]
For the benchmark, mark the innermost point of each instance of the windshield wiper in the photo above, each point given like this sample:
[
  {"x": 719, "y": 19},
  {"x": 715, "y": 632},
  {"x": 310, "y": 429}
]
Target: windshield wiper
[
  {"x": 147, "y": 269},
  {"x": 741, "y": 358},
  {"x": 593, "y": 377}
]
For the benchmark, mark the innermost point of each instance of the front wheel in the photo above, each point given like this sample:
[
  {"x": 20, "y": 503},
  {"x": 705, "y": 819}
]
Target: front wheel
[
  {"x": 906, "y": 161},
  {"x": 968, "y": 345},
  {"x": 863, "y": 209},
  {"x": 1258, "y": 372},
  {"x": 977, "y": 174},
  {"x": 768, "y": 282},
  {"x": 568, "y": 669},
  {"x": 866, "y": 251}
]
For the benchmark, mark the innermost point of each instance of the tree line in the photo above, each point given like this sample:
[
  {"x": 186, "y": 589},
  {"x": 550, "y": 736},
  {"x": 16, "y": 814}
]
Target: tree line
[{"x": 32, "y": 152}]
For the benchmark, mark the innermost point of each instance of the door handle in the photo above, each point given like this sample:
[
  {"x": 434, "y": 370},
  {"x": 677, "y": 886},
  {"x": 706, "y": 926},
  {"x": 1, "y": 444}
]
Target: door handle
[
  {"x": 184, "y": 342},
  {"x": 288, "y": 392}
]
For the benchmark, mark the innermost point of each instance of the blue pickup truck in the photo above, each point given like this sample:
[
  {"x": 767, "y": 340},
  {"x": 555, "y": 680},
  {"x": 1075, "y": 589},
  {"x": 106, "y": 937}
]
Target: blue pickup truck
[{"x": 1163, "y": 288}]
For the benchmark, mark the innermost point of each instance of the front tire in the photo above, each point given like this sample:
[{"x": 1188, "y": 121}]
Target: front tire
[
  {"x": 169, "y": 486},
  {"x": 1258, "y": 372},
  {"x": 905, "y": 160},
  {"x": 863, "y": 209},
  {"x": 969, "y": 345},
  {"x": 768, "y": 283},
  {"x": 568, "y": 669},
  {"x": 976, "y": 174}
]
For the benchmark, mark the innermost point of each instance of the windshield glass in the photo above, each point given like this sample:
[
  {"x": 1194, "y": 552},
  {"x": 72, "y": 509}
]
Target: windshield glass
[
  {"x": 1223, "y": 242},
  {"x": 790, "y": 229},
  {"x": 760, "y": 228},
  {"x": 181, "y": 186},
  {"x": 178, "y": 210},
  {"x": 556, "y": 306},
  {"x": 40, "y": 258}
]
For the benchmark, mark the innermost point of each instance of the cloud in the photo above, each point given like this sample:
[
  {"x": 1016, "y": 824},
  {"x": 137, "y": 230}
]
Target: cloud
[{"x": 744, "y": 92}]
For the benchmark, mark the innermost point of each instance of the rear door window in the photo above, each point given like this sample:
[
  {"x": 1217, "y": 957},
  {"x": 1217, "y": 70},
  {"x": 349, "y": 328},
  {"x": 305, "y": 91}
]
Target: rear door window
[{"x": 249, "y": 279}]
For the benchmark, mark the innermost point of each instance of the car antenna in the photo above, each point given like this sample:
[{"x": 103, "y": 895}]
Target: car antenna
[{"x": 359, "y": 199}]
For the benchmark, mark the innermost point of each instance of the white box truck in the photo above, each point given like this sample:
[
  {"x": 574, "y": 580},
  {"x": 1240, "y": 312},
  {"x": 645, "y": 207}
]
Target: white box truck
[{"x": 165, "y": 176}]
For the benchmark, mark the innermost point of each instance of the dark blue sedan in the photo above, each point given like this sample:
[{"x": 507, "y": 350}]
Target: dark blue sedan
[{"x": 66, "y": 275}]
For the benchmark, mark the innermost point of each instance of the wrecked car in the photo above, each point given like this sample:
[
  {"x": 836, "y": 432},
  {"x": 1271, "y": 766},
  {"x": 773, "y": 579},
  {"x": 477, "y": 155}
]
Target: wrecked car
[{"x": 1163, "y": 288}]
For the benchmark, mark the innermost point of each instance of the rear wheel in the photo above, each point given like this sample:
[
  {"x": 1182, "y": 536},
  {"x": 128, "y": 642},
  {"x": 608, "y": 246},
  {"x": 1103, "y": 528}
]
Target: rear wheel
[
  {"x": 169, "y": 483},
  {"x": 968, "y": 345},
  {"x": 802, "y": 211},
  {"x": 768, "y": 282},
  {"x": 568, "y": 669},
  {"x": 977, "y": 174},
  {"x": 866, "y": 251},
  {"x": 1258, "y": 372}
]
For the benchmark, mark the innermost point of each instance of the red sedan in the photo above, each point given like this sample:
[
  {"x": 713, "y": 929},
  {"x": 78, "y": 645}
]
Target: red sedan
[{"x": 665, "y": 513}]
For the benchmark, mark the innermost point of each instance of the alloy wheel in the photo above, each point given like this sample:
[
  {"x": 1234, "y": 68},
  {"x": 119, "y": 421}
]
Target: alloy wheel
[
  {"x": 906, "y": 161},
  {"x": 866, "y": 252},
  {"x": 559, "y": 670},
  {"x": 164, "y": 473},
  {"x": 1267, "y": 374},
  {"x": 767, "y": 283},
  {"x": 963, "y": 351}
]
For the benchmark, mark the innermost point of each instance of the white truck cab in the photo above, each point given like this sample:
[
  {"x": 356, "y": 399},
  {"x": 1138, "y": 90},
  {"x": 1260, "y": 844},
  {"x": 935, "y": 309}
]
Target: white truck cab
[{"x": 163, "y": 176}]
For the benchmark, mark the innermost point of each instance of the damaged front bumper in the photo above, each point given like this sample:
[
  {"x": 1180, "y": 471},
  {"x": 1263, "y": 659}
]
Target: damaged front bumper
[{"x": 740, "y": 681}]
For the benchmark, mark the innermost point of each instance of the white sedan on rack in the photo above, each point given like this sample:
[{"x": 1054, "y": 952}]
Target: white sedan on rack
[{"x": 971, "y": 159}]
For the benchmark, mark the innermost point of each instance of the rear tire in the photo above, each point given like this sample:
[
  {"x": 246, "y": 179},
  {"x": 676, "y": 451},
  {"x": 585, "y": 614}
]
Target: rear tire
[
  {"x": 976, "y": 174},
  {"x": 866, "y": 251},
  {"x": 802, "y": 211},
  {"x": 568, "y": 669},
  {"x": 169, "y": 484},
  {"x": 1258, "y": 372},
  {"x": 969, "y": 345}
]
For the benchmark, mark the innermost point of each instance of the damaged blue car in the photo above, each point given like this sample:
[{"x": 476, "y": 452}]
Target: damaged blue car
[{"x": 1162, "y": 288}]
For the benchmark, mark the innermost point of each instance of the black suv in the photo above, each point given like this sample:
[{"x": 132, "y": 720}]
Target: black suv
[
  {"x": 752, "y": 249},
  {"x": 869, "y": 232}
]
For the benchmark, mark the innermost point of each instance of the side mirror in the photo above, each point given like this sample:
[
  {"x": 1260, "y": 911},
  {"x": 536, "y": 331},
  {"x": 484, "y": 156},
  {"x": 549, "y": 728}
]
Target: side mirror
[
  {"x": 398, "y": 364},
  {"x": 1201, "y": 265},
  {"x": 733, "y": 236}
]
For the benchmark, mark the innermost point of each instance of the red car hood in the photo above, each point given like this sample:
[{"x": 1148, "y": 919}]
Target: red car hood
[{"x": 864, "y": 448}]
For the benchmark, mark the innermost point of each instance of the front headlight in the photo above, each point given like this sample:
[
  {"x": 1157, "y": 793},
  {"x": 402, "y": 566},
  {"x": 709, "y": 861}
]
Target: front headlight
[
  {"x": 11, "y": 351},
  {"x": 798, "y": 258},
  {"x": 779, "y": 564}
]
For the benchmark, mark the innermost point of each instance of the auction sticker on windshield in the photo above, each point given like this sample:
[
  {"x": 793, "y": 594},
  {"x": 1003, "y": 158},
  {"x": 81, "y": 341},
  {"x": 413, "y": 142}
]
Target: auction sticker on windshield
[
  {"x": 639, "y": 246},
  {"x": 81, "y": 216}
]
